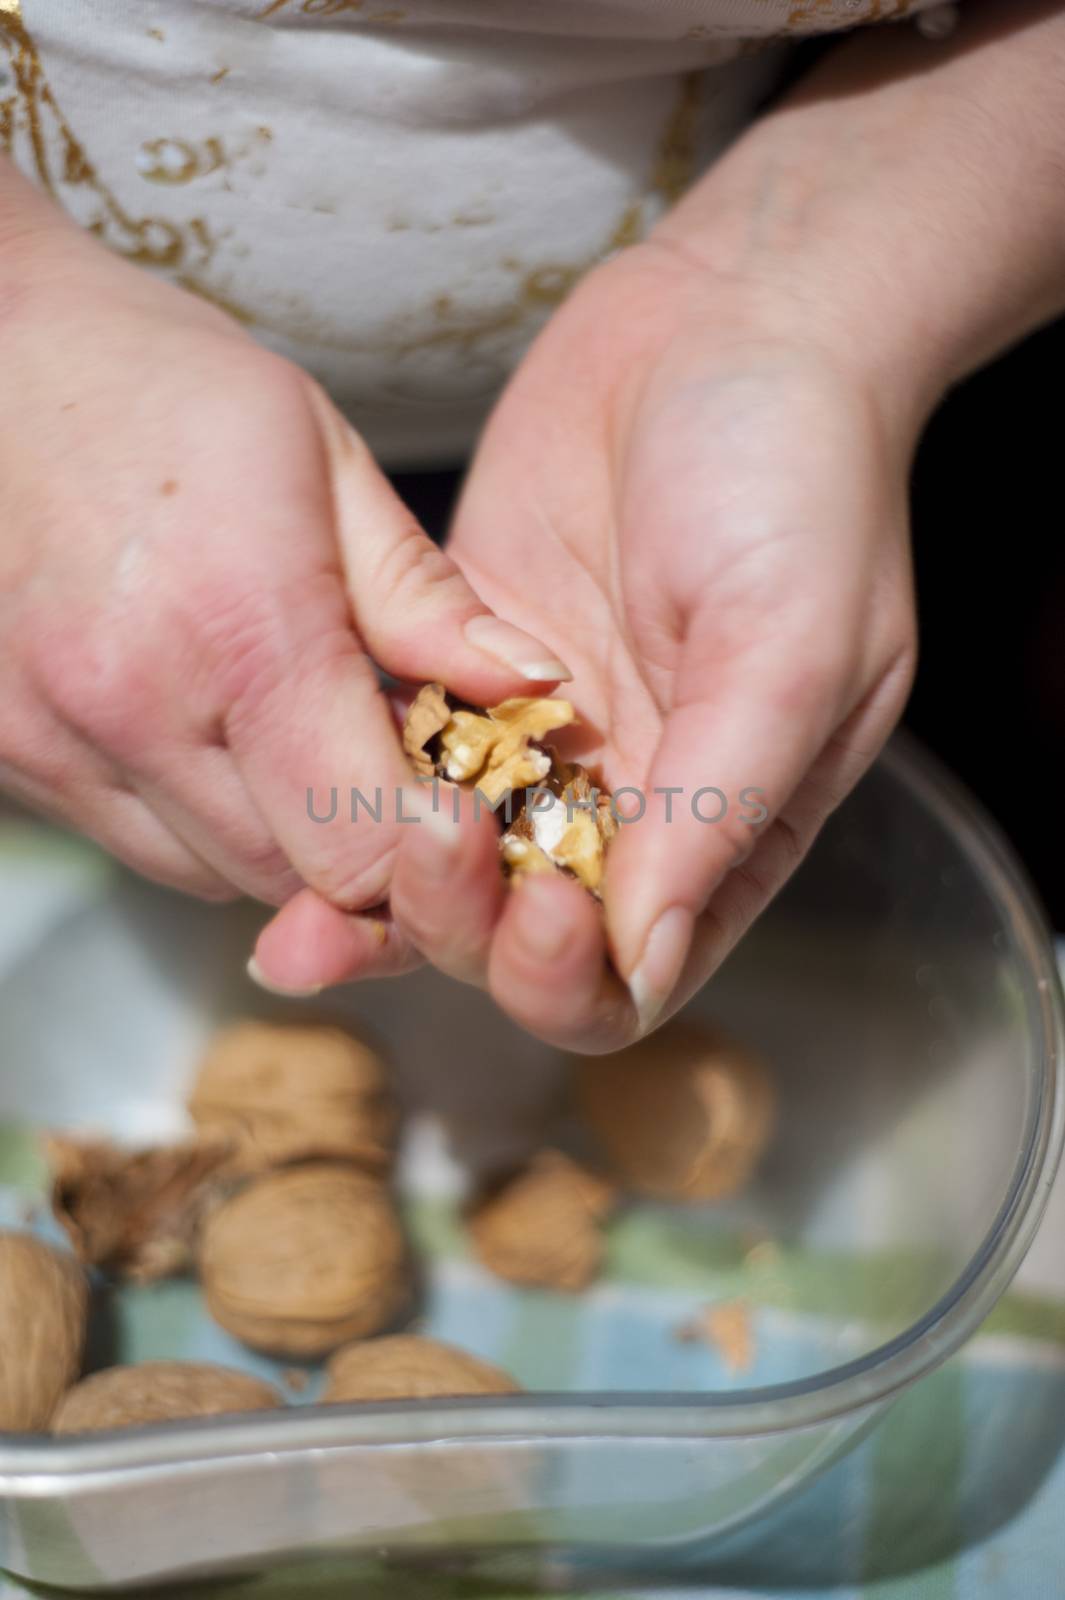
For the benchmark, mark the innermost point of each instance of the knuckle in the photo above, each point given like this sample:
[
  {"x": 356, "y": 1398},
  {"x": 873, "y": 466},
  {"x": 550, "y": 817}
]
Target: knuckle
[
  {"x": 352, "y": 885},
  {"x": 243, "y": 635},
  {"x": 415, "y": 574},
  {"x": 258, "y": 642},
  {"x": 101, "y": 683}
]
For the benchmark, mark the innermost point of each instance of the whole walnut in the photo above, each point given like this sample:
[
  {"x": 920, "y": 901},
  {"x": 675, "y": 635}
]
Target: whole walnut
[
  {"x": 304, "y": 1259},
  {"x": 159, "y": 1391},
  {"x": 282, "y": 1092},
  {"x": 44, "y": 1300},
  {"x": 407, "y": 1366},
  {"x": 684, "y": 1114},
  {"x": 542, "y": 1227}
]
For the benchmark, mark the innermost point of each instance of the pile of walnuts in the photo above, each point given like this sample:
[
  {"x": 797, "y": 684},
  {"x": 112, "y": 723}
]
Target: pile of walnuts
[{"x": 282, "y": 1205}]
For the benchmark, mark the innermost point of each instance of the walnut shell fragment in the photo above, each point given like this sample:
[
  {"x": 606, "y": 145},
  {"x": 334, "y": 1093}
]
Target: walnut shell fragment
[
  {"x": 682, "y": 1115},
  {"x": 159, "y": 1391},
  {"x": 284, "y": 1092},
  {"x": 304, "y": 1259},
  {"x": 408, "y": 1366},
  {"x": 44, "y": 1300},
  {"x": 134, "y": 1212},
  {"x": 429, "y": 714},
  {"x": 727, "y": 1329},
  {"x": 543, "y": 1226}
]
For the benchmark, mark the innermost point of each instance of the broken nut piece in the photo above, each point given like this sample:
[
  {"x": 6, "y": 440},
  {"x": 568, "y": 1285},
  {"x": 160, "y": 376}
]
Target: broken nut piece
[
  {"x": 543, "y": 1226},
  {"x": 561, "y": 823},
  {"x": 565, "y": 825},
  {"x": 494, "y": 751},
  {"x": 133, "y": 1212}
]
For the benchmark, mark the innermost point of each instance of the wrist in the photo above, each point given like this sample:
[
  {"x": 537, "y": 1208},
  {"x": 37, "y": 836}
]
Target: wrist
[
  {"x": 35, "y": 237},
  {"x": 903, "y": 208}
]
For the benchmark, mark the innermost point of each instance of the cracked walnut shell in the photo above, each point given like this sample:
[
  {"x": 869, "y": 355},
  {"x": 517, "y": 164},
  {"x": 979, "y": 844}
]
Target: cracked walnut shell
[
  {"x": 135, "y": 1212},
  {"x": 284, "y": 1092},
  {"x": 684, "y": 1114},
  {"x": 159, "y": 1391},
  {"x": 408, "y": 1366},
  {"x": 543, "y": 1226},
  {"x": 44, "y": 1300},
  {"x": 304, "y": 1259}
]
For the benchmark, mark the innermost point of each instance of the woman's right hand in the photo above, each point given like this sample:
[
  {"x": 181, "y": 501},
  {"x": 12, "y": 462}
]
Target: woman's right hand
[{"x": 198, "y": 560}]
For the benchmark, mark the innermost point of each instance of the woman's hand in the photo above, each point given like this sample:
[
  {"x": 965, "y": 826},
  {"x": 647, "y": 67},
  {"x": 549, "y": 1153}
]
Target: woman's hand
[
  {"x": 197, "y": 559},
  {"x": 707, "y": 517},
  {"x": 696, "y": 489}
]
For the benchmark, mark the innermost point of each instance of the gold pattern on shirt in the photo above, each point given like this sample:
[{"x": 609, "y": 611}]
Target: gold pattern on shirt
[
  {"x": 311, "y": 8},
  {"x": 176, "y": 161},
  {"x": 541, "y": 288},
  {"x": 34, "y": 129}
]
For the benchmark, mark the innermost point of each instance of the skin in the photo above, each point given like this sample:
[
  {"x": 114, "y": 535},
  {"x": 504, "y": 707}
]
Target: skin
[
  {"x": 703, "y": 465},
  {"x": 186, "y": 620},
  {"x": 702, "y": 469}
]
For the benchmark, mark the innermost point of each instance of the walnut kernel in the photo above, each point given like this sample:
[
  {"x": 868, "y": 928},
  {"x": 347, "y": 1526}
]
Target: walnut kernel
[
  {"x": 560, "y": 822},
  {"x": 565, "y": 826},
  {"x": 494, "y": 751}
]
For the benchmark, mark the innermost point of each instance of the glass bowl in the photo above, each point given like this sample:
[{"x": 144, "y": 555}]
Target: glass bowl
[{"x": 903, "y": 988}]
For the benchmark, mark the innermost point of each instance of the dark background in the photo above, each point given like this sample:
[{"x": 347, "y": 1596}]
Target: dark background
[
  {"x": 988, "y": 517},
  {"x": 988, "y": 514}
]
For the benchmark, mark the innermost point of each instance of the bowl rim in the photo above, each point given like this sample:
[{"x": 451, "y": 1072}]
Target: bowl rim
[{"x": 853, "y": 1387}]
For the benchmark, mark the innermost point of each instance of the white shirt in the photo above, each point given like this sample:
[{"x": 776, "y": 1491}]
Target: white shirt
[{"x": 395, "y": 193}]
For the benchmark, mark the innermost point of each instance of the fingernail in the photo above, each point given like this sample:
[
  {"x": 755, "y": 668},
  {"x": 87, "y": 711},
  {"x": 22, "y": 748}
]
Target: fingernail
[
  {"x": 664, "y": 953},
  {"x": 541, "y": 931},
  {"x": 519, "y": 651},
  {"x": 257, "y": 975}
]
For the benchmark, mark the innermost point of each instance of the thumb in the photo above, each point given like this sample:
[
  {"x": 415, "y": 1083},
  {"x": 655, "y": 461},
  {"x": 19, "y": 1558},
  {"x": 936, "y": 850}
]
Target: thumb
[
  {"x": 413, "y": 609},
  {"x": 733, "y": 750}
]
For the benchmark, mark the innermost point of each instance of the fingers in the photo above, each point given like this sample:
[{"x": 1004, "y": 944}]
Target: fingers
[
  {"x": 203, "y": 799},
  {"x": 314, "y": 741},
  {"x": 310, "y": 946},
  {"x": 447, "y": 887},
  {"x": 419, "y": 617},
  {"x": 714, "y": 878},
  {"x": 732, "y": 753},
  {"x": 784, "y": 843},
  {"x": 548, "y": 967},
  {"x": 118, "y": 820}
]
